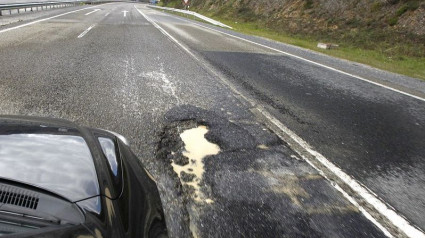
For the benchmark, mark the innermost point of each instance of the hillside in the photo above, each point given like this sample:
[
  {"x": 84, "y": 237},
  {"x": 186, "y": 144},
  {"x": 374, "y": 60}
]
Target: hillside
[{"x": 395, "y": 29}]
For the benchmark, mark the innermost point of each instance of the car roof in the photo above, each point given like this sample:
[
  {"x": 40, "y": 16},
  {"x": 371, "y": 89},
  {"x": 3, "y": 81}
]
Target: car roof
[{"x": 49, "y": 154}]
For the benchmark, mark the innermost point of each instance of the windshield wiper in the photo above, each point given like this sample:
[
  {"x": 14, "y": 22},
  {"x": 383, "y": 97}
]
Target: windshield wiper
[
  {"x": 25, "y": 220},
  {"x": 29, "y": 203},
  {"x": 31, "y": 187}
]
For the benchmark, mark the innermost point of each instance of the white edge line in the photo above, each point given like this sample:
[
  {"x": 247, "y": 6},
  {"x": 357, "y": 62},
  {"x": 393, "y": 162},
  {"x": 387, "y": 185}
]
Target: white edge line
[
  {"x": 362, "y": 210},
  {"x": 44, "y": 19},
  {"x": 381, "y": 207},
  {"x": 315, "y": 63},
  {"x": 397, "y": 220},
  {"x": 166, "y": 33},
  {"x": 350, "y": 199},
  {"x": 95, "y": 10},
  {"x": 86, "y": 31}
]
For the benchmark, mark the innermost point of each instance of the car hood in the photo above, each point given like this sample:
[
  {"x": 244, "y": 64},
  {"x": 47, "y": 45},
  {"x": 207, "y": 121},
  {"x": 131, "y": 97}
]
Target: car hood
[{"x": 54, "y": 157}]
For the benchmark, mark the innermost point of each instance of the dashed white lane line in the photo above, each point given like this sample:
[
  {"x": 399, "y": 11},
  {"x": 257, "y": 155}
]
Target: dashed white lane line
[
  {"x": 86, "y": 31},
  {"x": 44, "y": 19},
  {"x": 397, "y": 220},
  {"x": 107, "y": 14},
  {"x": 95, "y": 10}
]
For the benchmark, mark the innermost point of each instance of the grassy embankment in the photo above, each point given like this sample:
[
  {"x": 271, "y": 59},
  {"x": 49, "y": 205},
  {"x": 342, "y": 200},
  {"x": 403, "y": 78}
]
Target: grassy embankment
[{"x": 363, "y": 46}]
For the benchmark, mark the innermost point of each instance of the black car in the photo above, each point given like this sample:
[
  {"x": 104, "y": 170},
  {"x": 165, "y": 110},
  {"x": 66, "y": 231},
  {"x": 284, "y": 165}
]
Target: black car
[{"x": 58, "y": 179}]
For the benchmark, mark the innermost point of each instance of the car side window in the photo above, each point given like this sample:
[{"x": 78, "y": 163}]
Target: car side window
[
  {"x": 112, "y": 155},
  {"x": 109, "y": 150}
]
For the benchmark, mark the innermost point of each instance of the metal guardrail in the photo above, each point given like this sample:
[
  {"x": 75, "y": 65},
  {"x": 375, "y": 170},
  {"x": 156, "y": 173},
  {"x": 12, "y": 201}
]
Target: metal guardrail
[
  {"x": 42, "y": 5},
  {"x": 187, "y": 12}
]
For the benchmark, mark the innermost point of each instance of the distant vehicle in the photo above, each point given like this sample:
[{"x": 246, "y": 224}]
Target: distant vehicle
[{"x": 61, "y": 180}]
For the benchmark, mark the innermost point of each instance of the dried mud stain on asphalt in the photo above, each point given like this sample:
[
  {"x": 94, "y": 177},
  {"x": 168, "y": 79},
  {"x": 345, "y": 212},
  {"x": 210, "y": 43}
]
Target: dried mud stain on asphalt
[
  {"x": 257, "y": 184},
  {"x": 289, "y": 185}
]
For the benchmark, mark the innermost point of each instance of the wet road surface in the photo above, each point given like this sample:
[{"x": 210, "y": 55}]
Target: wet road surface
[
  {"x": 374, "y": 134},
  {"x": 112, "y": 68}
]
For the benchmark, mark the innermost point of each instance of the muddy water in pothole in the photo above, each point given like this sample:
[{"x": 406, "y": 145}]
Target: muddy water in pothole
[{"x": 196, "y": 148}]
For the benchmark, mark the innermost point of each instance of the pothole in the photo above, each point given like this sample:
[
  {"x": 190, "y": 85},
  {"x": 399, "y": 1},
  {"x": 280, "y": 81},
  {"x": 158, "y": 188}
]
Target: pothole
[{"x": 196, "y": 148}]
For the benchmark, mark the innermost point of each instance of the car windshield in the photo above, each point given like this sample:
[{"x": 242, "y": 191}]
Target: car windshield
[{"x": 59, "y": 163}]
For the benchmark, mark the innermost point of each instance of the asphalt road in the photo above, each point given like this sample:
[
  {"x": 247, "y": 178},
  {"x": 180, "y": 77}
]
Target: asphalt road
[{"x": 112, "y": 68}]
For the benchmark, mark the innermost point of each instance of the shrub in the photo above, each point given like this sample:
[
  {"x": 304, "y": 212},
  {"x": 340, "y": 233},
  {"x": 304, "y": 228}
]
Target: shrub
[
  {"x": 308, "y": 4},
  {"x": 376, "y": 6},
  {"x": 413, "y": 5},
  {"x": 402, "y": 10},
  {"x": 393, "y": 21}
]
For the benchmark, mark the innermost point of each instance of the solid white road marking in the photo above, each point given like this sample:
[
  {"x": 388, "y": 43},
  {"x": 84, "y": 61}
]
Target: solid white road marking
[
  {"x": 125, "y": 13},
  {"x": 313, "y": 62},
  {"x": 95, "y": 10},
  {"x": 41, "y": 20},
  {"x": 397, "y": 220},
  {"x": 86, "y": 31},
  {"x": 167, "y": 34}
]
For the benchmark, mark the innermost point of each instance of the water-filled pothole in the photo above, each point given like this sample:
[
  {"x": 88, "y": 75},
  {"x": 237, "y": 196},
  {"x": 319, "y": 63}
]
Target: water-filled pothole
[{"x": 196, "y": 148}]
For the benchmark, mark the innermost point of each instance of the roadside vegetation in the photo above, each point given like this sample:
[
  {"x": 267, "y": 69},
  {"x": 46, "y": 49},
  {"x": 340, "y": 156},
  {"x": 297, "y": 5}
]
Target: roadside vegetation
[{"x": 381, "y": 34}]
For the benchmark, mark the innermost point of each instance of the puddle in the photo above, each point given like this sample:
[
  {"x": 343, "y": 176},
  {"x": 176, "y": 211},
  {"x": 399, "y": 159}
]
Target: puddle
[{"x": 196, "y": 148}]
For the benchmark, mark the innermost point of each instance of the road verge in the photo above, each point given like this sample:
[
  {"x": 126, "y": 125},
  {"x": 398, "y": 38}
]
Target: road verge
[{"x": 187, "y": 12}]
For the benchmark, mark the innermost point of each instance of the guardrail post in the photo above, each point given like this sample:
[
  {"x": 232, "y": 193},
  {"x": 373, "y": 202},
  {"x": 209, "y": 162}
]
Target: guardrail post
[{"x": 43, "y": 6}]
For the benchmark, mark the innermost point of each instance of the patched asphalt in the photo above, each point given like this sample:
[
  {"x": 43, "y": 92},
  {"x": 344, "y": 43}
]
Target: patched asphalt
[
  {"x": 258, "y": 186},
  {"x": 372, "y": 133}
]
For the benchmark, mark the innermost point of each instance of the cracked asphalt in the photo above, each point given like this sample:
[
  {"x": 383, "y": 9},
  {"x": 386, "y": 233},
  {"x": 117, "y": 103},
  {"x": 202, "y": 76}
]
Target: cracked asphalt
[{"x": 125, "y": 75}]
